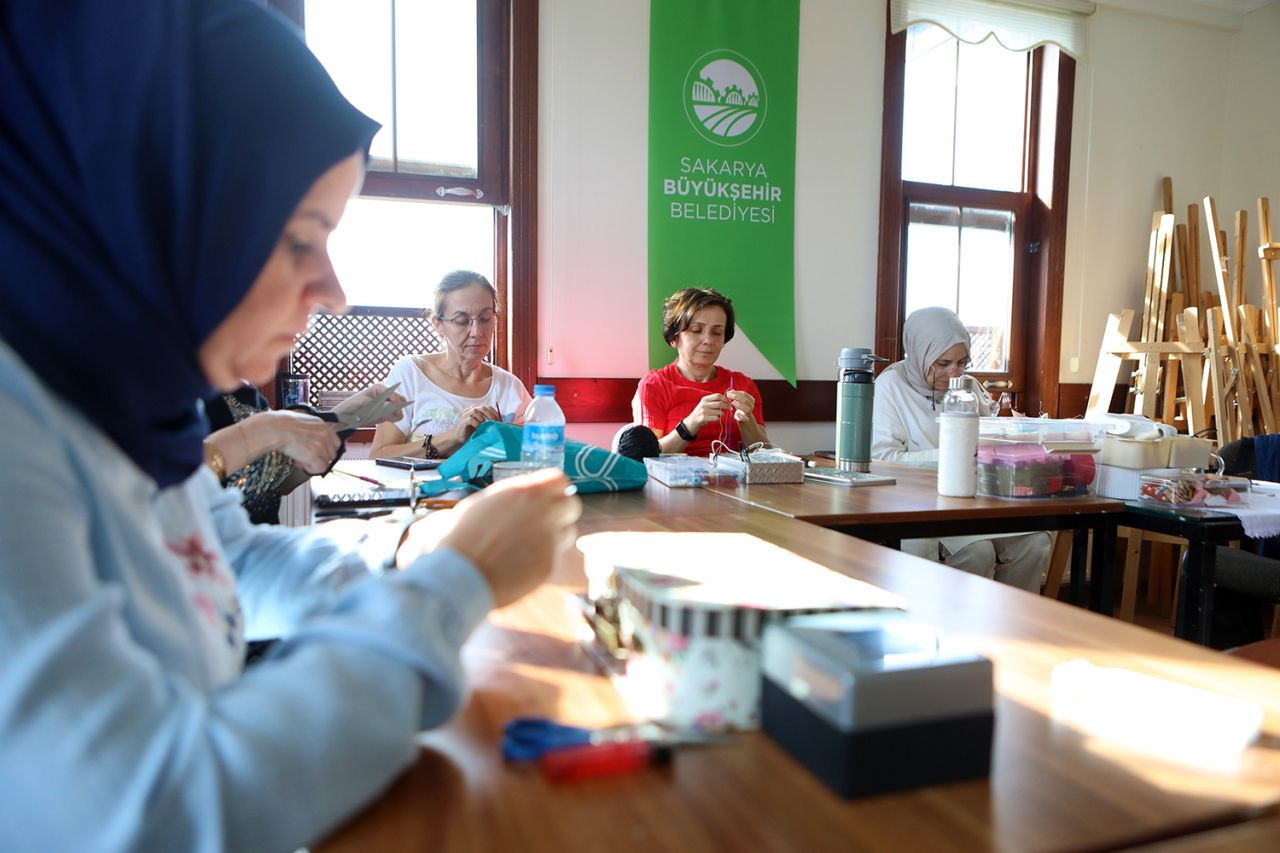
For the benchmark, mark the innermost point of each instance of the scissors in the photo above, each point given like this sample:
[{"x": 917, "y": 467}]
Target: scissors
[
  {"x": 531, "y": 738},
  {"x": 570, "y": 753},
  {"x": 376, "y": 410}
]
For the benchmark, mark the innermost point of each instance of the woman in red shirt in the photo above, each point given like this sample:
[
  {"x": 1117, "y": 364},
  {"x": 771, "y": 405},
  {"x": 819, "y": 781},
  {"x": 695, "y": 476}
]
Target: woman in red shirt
[{"x": 693, "y": 402}]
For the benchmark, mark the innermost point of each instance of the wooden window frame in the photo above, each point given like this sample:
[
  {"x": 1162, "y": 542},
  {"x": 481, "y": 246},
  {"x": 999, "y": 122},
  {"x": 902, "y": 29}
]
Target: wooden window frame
[
  {"x": 508, "y": 168},
  {"x": 1039, "y": 231},
  {"x": 493, "y": 75}
]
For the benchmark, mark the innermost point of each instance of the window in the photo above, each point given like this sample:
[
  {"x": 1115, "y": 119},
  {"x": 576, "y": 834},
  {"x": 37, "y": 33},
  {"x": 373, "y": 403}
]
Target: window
[
  {"x": 443, "y": 173},
  {"x": 432, "y": 200},
  {"x": 964, "y": 208},
  {"x": 962, "y": 258}
]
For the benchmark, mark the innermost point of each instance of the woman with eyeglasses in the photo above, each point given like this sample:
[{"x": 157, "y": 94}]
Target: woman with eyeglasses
[
  {"x": 454, "y": 391},
  {"x": 169, "y": 180},
  {"x": 905, "y": 429}
]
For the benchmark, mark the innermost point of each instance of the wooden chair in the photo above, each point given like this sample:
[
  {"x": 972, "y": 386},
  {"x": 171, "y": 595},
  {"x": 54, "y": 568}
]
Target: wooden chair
[{"x": 1159, "y": 586}]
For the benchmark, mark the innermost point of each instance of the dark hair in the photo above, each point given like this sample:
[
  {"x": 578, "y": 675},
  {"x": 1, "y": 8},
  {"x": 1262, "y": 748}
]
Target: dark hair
[
  {"x": 678, "y": 311},
  {"x": 457, "y": 280}
]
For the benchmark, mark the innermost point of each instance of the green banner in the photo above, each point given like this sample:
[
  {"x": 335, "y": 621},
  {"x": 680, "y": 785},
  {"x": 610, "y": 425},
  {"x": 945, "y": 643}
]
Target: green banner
[{"x": 722, "y": 164}]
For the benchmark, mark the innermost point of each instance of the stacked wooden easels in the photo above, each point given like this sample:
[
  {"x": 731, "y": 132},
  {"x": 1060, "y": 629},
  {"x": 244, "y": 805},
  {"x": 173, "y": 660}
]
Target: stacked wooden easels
[{"x": 1205, "y": 358}]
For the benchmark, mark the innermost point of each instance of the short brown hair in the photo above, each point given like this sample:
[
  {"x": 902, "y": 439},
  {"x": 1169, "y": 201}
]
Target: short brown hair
[
  {"x": 457, "y": 280},
  {"x": 678, "y": 311}
]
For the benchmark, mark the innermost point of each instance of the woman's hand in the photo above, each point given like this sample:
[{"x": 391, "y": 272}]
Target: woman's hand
[
  {"x": 708, "y": 411},
  {"x": 360, "y": 399},
  {"x": 468, "y": 422},
  {"x": 513, "y": 531},
  {"x": 309, "y": 441},
  {"x": 743, "y": 406}
]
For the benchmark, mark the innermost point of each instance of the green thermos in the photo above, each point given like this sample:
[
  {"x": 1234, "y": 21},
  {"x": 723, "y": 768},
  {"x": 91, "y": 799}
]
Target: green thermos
[{"x": 855, "y": 398}]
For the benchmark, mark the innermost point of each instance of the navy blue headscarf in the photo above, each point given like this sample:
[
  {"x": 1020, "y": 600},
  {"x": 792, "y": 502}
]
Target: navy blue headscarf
[{"x": 150, "y": 155}]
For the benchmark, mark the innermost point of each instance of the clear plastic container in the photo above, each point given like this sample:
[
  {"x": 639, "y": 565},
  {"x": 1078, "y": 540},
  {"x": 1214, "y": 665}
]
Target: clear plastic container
[
  {"x": 542, "y": 442},
  {"x": 1195, "y": 490},
  {"x": 1038, "y": 457},
  {"x": 678, "y": 470}
]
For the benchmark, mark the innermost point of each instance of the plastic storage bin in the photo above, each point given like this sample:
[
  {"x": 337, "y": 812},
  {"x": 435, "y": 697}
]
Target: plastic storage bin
[
  {"x": 1038, "y": 457},
  {"x": 1195, "y": 490},
  {"x": 678, "y": 470}
]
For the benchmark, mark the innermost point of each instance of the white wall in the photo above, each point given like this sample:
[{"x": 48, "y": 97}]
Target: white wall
[
  {"x": 1150, "y": 102},
  {"x": 1251, "y": 153},
  {"x": 593, "y": 142},
  {"x": 1155, "y": 97}
]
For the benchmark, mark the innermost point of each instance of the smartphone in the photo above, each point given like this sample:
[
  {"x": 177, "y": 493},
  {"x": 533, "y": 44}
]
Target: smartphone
[
  {"x": 407, "y": 462},
  {"x": 846, "y": 478}
]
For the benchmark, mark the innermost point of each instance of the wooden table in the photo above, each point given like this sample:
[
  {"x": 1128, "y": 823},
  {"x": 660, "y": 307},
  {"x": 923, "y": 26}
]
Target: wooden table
[
  {"x": 1053, "y": 786},
  {"x": 912, "y": 508},
  {"x": 1256, "y": 836}
]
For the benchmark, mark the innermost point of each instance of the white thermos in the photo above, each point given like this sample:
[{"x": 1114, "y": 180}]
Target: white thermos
[{"x": 958, "y": 441}]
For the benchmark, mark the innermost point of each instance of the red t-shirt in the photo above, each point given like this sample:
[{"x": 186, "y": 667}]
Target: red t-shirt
[{"x": 665, "y": 397}]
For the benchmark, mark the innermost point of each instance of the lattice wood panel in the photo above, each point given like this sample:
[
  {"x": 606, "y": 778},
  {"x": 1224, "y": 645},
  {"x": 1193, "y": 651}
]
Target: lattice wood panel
[
  {"x": 347, "y": 352},
  {"x": 986, "y": 345}
]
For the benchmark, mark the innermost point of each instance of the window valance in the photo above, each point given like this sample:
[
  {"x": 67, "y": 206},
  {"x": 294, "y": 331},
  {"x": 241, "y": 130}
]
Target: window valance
[{"x": 1016, "y": 24}]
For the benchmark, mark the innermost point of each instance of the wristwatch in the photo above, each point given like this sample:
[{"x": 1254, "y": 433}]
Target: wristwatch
[
  {"x": 429, "y": 449},
  {"x": 683, "y": 431}
]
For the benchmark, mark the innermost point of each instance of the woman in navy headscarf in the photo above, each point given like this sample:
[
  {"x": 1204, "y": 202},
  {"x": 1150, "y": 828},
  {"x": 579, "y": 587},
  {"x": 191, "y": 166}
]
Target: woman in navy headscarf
[{"x": 169, "y": 175}]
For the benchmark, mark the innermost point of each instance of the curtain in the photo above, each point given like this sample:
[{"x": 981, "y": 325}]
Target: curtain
[{"x": 1016, "y": 24}]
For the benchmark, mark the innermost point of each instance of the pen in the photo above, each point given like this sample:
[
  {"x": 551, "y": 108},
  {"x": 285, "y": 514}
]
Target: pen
[
  {"x": 321, "y": 518},
  {"x": 378, "y": 483}
]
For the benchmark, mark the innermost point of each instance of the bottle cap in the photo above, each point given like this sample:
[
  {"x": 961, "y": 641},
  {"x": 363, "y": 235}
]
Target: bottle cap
[
  {"x": 544, "y": 390},
  {"x": 958, "y": 383},
  {"x": 857, "y": 358}
]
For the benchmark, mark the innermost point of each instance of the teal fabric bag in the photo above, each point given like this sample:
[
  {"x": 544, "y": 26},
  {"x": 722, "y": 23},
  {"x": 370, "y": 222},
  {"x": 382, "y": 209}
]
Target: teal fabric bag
[{"x": 591, "y": 468}]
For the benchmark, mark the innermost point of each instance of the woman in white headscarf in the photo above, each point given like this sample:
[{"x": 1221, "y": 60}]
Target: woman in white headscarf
[{"x": 905, "y": 429}]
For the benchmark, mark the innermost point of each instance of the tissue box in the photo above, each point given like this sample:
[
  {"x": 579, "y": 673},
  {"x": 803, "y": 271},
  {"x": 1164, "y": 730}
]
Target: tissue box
[
  {"x": 691, "y": 608},
  {"x": 763, "y": 466},
  {"x": 872, "y": 702}
]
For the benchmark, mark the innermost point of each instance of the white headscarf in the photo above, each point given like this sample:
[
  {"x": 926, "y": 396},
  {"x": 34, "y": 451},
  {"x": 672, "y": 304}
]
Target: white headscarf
[{"x": 927, "y": 334}]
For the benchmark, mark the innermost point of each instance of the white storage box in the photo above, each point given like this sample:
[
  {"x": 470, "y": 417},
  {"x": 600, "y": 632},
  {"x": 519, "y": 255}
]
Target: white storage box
[
  {"x": 1179, "y": 451},
  {"x": 1187, "y": 451},
  {"x": 1140, "y": 453},
  {"x": 692, "y": 608}
]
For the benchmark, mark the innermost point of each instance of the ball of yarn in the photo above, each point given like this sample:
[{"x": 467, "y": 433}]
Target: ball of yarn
[{"x": 636, "y": 442}]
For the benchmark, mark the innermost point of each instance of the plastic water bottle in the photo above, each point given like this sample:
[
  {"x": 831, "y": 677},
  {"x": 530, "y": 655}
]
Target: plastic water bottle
[
  {"x": 958, "y": 441},
  {"x": 543, "y": 439}
]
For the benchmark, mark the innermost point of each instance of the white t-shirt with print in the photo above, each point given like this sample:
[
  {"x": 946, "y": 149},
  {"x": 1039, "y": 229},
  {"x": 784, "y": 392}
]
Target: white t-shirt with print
[{"x": 434, "y": 410}]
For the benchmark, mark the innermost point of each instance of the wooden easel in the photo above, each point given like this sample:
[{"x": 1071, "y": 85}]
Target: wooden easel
[{"x": 1189, "y": 351}]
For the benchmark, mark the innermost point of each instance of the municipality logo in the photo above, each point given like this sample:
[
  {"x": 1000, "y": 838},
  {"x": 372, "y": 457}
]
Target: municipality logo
[{"x": 725, "y": 97}]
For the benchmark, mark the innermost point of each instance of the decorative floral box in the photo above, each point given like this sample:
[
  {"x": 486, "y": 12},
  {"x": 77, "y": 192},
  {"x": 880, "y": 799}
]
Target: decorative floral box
[{"x": 692, "y": 608}]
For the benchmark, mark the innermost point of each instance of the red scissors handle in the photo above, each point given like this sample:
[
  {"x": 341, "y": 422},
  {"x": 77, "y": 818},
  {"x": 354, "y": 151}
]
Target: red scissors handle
[{"x": 607, "y": 759}]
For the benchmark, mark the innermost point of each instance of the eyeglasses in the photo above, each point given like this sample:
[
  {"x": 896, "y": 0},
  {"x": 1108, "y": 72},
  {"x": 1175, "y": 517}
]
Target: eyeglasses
[{"x": 462, "y": 321}]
